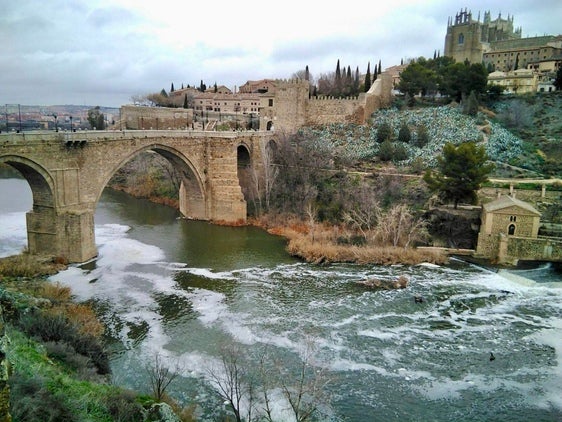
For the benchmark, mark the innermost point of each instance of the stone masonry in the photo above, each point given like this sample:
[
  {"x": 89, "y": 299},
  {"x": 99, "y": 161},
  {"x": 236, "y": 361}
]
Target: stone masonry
[{"x": 67, "y": 173}]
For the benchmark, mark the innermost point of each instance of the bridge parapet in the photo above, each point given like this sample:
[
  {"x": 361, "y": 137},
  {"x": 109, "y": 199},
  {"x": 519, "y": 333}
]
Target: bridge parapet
[{"x": 111, "y": 135}]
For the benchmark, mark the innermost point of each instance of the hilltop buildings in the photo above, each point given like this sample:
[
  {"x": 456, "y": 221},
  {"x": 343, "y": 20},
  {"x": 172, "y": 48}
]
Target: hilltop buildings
[{"x": 519, "y": 65}]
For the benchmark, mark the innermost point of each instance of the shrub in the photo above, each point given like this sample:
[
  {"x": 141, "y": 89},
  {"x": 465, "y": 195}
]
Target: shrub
[
  {"x": 123, "y": 407},
  {"x": 31, "y": 401},
  {"x": 384, "y": 132},
  {"x": 404, "y": 134},
  {"x": 51, "y": 327},
  {"x": 386, "y": 151}
]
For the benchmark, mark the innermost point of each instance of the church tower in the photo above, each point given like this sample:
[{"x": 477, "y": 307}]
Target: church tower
[{"x": 463, "y": 39}]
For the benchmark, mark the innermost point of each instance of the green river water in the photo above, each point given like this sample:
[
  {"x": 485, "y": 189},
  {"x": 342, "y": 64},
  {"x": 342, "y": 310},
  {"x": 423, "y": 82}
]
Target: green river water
[{"x": 185, "y": 289}]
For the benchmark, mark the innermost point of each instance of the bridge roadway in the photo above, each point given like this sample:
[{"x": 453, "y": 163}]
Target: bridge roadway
[{"x": 67, "y": 172}]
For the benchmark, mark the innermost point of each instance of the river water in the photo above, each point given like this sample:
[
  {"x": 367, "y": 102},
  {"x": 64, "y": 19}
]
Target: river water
[{"x": 184, "y": 289}]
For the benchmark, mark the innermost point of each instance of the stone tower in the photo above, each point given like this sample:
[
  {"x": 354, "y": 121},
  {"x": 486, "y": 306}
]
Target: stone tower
[{"x": 468, "y": 38}]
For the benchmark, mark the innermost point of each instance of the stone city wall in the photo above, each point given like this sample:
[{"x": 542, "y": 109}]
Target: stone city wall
[
  {"x": 327, "y": 110},
  {"x": 138, "y": 117}
]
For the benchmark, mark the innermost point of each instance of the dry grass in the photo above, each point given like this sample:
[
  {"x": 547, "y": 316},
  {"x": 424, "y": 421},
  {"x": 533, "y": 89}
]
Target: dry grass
[
  {"x": 319, "y": 244},
  {"x": 317, "y": 252},
  {"x": 83, "y": 317},
  {"x": 55, "y": 292},
  {"x": 26, "y": 265}
]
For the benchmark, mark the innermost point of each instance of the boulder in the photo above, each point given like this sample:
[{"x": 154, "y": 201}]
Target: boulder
[{"x": 375, "y": 283}]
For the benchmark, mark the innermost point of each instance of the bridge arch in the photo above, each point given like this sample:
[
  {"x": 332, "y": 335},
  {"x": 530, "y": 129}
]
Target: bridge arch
[
  {"x": 192, "y": 198},
  {"x": 42, "y": 220}
]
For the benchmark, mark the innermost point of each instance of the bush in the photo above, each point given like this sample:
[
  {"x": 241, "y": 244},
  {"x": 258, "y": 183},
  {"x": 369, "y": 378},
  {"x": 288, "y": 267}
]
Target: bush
[
  {"x": 31, "y": 401},
  {"x": 386, "y": 151},
  {"x": 49, "y": 327},
  {"x": 384, "y": 132},
  {"x": 123, "y": 407}
]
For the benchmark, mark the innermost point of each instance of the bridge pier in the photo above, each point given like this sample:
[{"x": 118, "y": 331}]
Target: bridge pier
[{"x": 68, "y": 234}]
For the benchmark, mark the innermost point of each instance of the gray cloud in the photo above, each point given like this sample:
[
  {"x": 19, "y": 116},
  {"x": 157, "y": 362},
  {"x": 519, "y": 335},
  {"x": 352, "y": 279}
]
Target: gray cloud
[{"x": 97, "y": 52}]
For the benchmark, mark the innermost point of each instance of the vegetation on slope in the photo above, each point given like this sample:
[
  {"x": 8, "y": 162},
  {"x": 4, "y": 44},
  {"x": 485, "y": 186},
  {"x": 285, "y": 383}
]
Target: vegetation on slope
[{"x": 58, "y": 365}]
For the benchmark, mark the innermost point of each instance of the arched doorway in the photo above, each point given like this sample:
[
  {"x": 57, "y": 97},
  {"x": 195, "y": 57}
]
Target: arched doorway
[{"x": 511, "y": 229}]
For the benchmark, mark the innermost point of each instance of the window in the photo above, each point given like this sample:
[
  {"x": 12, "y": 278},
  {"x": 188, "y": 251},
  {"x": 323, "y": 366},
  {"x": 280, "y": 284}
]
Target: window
[
  {"x": 511, "y": 229},
  {"x": 513, "y": 218},
  {"x": 271, "y": 102},
  {"x": 461, "y": 38}
]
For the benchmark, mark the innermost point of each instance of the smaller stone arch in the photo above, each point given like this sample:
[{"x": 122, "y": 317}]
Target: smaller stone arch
[
  {"x": 39, "y": 179},
  {"x": 192, "y": 196},
  {"x": 243, "y": 156}
]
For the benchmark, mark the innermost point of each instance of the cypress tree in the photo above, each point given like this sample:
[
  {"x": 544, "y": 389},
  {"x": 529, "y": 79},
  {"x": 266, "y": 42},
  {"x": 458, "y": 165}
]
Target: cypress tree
[
  {"x": 338, "y": 88},
  {"x": 380, "y": 67},
  {"x": 172, "y": 87},
  {"x": 368, "y": 78},
  {"x": 185, "y": 101}
]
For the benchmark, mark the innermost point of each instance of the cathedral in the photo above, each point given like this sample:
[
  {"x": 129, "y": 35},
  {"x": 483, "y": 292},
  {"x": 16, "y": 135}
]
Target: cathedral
[{"x": 496, "y": 43}]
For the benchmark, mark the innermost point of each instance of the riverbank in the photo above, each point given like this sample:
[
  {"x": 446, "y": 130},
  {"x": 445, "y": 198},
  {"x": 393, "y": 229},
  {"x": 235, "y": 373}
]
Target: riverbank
[{"x": 56, "y": 366}]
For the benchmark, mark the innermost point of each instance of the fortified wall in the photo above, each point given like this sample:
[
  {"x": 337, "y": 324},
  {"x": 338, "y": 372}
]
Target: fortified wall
[
  {"x": 287, "y": 109},
  {"x": 293, "y": 107},
  {"x": 157, "y": 118}
]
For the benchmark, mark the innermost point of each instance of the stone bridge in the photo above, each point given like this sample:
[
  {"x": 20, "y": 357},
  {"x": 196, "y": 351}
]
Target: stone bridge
[{"x": 67, "y": 172}]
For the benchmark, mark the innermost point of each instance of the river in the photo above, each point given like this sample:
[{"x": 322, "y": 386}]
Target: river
[{"x": 184, "y": 289}]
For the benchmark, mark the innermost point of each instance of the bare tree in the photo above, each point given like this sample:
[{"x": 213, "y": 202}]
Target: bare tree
[
  {"x": 160, "y": 376},
  {"x": 233, "y": 381},
  {"x": 270, "y": 171},
  {"x": 308, "y": 391}
]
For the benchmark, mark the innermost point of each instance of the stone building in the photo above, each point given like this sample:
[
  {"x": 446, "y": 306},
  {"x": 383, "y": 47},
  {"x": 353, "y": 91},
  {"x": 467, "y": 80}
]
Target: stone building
[
  {"x": 496, "y": 43},
  {"x": 286, "y": 106},
  {"x": 504, "y": 218},
  {"x": 521, "y": 81}
]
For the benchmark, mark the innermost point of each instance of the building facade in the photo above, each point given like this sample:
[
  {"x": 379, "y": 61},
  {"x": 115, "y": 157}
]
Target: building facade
[{"x": 496, "y": 43}]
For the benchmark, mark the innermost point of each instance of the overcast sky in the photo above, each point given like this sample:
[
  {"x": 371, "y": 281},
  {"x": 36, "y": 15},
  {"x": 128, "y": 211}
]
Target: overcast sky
[{"x": 103, "y": 52}]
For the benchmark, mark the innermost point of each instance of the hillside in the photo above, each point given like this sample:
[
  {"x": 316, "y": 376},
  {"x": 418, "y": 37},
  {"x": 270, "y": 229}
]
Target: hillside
[{"x": 522, "y": 135}]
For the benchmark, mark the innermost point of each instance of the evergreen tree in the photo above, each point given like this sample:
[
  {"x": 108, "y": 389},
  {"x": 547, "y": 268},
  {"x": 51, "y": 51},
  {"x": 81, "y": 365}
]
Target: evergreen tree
[
  {"x": 380, "y": 67},
  {"x": 422, "y": 136},
  {"x": 368, "y": 78},
  {"x": 386, "y": 151},
  {"x": 338, "y": 87},
  {"x": 215, "y": 88},
  {"x": 384, "y": 132},
  {"x": 163, "y": 93},
  {"x": 404, "y": 134},
  {"x": 185, "y": 101},
  {"x": 172, "y": 87},
  {"x": 306, "y": 74},
  {"x": 461, "y": 170},
  {"x": 96, "y": 119},
  {"x": 470, "y": 105},
  {"x": 558, "y": 79}
]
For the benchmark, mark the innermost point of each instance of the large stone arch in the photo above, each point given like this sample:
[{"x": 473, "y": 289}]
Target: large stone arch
[
  {"x": 192, "y": 196},
  {"x": 42, "y": 220},
  {"x": 39, "y": 179}
]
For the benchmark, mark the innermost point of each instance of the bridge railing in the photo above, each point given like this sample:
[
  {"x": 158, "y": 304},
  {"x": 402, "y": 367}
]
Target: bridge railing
[{"x": 101, "y": 135}]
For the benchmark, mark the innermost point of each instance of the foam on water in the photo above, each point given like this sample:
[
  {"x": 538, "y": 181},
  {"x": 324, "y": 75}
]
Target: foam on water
[
  {"x": 13, "y": 233},
  {"x": 381, "y": 337}
]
